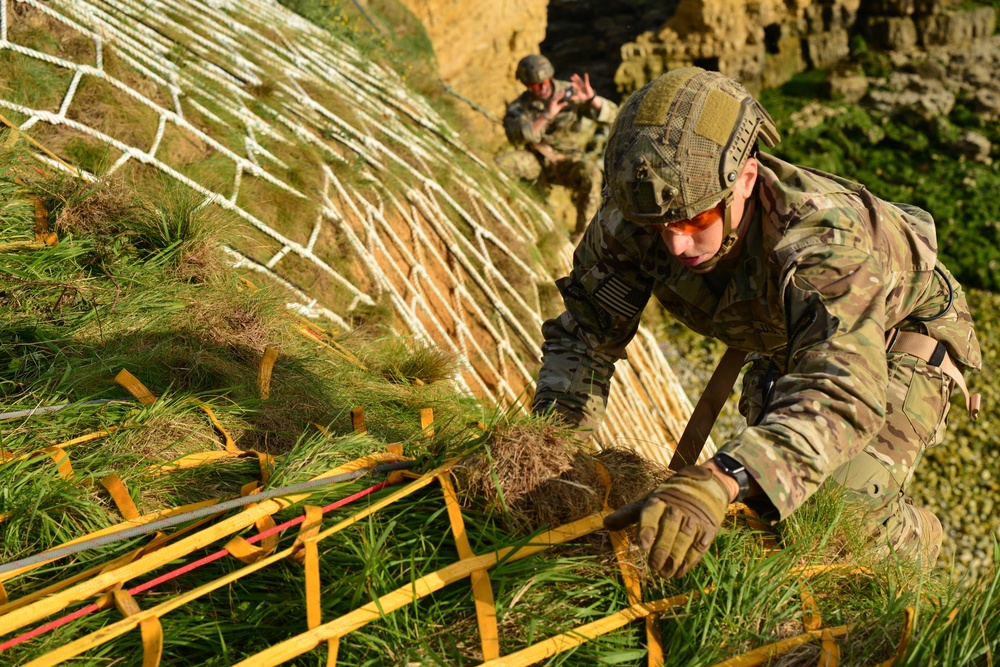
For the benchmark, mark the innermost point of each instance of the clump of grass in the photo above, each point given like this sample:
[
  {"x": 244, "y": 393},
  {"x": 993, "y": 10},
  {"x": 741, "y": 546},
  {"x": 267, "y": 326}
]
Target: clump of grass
[
  {"x": 537, "y": 473},
  {"x": 404, "y": 362}
]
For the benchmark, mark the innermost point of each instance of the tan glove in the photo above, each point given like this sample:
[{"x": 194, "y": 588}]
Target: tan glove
[{"x": 681, "y": 518}]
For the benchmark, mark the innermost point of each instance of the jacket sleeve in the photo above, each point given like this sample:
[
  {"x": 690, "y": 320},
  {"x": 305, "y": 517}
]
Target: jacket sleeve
[
  {"x": 604, "y": 296},
  {"x": 607, "y": 113},
  {"x": 831, "y": 401}
]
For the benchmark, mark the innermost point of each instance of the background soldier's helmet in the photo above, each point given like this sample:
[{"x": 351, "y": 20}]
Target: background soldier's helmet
[
  {"x": 534, "y": 69},
  {"x": 680, "y": 143}
]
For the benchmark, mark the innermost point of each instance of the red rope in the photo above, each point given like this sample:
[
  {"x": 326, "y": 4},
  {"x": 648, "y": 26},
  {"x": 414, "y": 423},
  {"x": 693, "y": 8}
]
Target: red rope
[{"x": 83, "y": 611}]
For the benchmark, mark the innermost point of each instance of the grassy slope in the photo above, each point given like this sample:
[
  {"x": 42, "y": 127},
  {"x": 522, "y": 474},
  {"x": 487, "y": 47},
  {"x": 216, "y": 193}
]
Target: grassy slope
[{"x": 134, "y": 284}]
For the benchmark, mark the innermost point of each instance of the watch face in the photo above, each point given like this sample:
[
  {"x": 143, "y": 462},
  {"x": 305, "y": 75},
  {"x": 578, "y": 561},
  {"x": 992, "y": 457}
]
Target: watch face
[{"x": 736, "y": 470}]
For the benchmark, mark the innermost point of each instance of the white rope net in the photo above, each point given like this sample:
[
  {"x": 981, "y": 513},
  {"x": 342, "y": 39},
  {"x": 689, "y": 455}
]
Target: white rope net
[{"x": 350, "y": 191}]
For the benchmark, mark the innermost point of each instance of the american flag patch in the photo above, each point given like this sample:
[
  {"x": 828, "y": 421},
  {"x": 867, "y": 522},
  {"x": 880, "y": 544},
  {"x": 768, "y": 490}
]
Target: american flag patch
[{"x": 620, "y": 298}]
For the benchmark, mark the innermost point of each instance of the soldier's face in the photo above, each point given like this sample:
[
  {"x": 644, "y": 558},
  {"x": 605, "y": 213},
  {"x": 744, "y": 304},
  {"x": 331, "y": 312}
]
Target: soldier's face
[
  {"x": 541, "y": 91},
  {"x": 692, "y": 249},
  {"x": 694, "y": 242}
]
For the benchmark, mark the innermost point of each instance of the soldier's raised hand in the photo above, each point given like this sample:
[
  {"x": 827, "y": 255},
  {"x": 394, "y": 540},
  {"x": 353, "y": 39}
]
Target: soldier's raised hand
[
  {"x": 555, "y": 104},
  {"x": 582, "y": 90}
]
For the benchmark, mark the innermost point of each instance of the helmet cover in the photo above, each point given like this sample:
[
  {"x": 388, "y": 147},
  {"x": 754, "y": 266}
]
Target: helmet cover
[
  {"x": 534, "y": 69},
  {"x": 680, "y": 143}
]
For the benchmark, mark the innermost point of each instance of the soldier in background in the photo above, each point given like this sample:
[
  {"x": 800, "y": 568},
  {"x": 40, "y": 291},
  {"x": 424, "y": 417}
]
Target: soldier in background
[
  {"x": 856, "y": 334},
  {"x": 551, "y": 124}
]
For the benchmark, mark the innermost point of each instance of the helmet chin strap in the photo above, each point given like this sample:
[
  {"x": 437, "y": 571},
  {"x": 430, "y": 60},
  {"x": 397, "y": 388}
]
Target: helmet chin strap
[{"x": 729, "y": 235}]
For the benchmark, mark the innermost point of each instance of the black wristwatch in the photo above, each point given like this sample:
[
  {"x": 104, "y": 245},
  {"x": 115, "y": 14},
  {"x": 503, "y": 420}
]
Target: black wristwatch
[{"x": 736, "y": 470}]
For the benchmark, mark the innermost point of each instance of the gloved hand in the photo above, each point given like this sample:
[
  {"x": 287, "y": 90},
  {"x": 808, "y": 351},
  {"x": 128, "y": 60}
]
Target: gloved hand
[{"x": 681, "y": 518}]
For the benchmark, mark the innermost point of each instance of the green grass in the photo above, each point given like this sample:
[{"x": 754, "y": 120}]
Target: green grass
[
  {"x": 130, "y": 286},
  {"x": 135, "y": 283}
]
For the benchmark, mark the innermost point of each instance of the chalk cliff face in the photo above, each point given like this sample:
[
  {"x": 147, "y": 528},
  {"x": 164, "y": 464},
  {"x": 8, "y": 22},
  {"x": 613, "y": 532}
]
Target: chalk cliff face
[{"x": 478, "y": 44}]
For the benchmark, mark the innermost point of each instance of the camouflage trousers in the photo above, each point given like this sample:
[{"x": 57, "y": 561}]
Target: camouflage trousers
[
  {"x": 917, "y": 404},
  {"x": 575, "y": 171}
]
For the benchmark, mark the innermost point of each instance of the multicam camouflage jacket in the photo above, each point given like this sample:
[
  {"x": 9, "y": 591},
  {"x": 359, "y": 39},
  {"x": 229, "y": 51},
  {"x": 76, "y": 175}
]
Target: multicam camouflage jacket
[
  {"x": 567, "y": 132},
  {"x": 824, "y": 269}
]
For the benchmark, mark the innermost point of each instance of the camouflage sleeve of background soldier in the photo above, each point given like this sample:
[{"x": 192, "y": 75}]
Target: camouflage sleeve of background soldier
[
  {"x": 518, "y": 125},
  {"x": 604, "y": 296},
  {"x": 607, "y": 113},
  {"x": 831, "y": 402}
]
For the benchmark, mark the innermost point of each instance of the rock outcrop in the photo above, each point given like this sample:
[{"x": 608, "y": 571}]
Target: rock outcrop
[
  {"x": 765, "y": 43},
  {"x": 478, "y": 45}
]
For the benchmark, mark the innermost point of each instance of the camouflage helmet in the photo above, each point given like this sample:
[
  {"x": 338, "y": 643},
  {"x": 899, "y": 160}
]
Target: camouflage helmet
[
  {"x": 680, "y": 143},
  {"x": 534, "y": 69}
]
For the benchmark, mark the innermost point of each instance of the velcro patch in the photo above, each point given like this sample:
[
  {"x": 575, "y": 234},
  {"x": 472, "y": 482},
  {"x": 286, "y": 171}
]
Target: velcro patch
[
  {"x": 577, "y": 291},
  {"x": 718, "y": 117},
  {"x": 655, "y": 105},
  {"x": 620, "y": 298}
]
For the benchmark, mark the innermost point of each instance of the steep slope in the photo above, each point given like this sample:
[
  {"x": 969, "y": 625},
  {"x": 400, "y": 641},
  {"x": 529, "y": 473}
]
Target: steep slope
[{"x": 346, "y": 187}]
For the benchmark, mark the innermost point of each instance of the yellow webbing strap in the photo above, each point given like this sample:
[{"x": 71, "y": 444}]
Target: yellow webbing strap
[
  {"x": 230, "y": 443},
  {"x": 61, "y": 459},
  {"x": 310, "y": 528},
  {"x": 192, "y": 461},
  {"x": 812, "y": 622},
  {"x": 358, "y": 420},
  {"x": 754, "y": 522},
  {"x": 427, "y": 422},
  {"x": 829, "y": 655},
  {"x": 904, "y": 637},
  {"x": 22, "y": 245},
  {"x": 630, "y": 577},
  {"x": 132, "y": 385},
  {"x": 42, "y": 233},
  {"x": 264, "y": 372},
  {"x": 811, "y": 619},
  {"x": 266, "y": 461},
  {"x": 313, "y": 609},
  {"x": 10, "y": 458},
  {"x": 314, "y": 615},
  {"x": 123, "y": 501},
  {"x": 334, "y": 649},
  {"x": 119, "y": 628},
  {"x": 761, "y": 655},
  {"x": 482, "y": 591},
  {"x": 307, "y": 330},
  {"x": 584, "y": 633},
  {"x": 306, "y": 551},
  {"x": 241, "y": 549},
  {"x": 3, "y": 595},
  {"x": 86, "y": 590},
  {"x": 150, "y": 628},
  {"x": 422, "y": 587}
]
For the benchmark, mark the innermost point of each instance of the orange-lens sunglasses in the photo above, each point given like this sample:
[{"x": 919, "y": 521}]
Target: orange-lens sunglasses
[{"x": 698, "y": 223}]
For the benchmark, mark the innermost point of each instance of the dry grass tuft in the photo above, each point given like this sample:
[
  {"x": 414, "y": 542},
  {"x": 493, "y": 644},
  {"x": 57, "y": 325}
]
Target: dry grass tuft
[
  {"x": 543, "y": 475},
  {"x": 632, "y": 476},
  {"x": 93, "y": 208}
]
